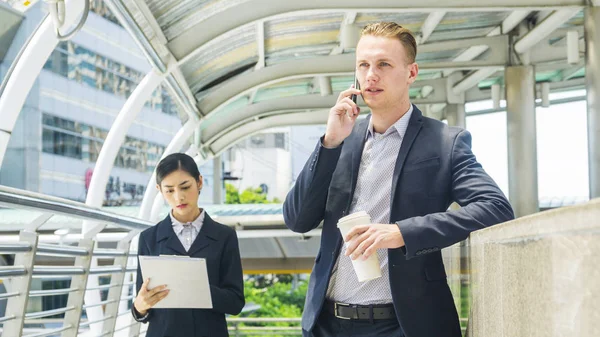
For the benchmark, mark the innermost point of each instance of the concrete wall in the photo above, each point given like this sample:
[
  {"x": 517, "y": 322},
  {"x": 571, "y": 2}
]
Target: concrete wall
[{"x": 538, "y": 275}]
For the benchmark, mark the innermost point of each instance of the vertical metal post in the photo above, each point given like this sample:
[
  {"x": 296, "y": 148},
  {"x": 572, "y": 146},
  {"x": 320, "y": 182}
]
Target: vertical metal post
[
  {"x": 78, "y": 282},
  {"x": 16, "y": 305}
]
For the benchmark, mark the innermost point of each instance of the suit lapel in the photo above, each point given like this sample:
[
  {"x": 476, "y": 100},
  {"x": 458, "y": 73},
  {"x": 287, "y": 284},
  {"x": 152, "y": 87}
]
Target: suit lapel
[
  {"x": 166, "y": 232},
  {"x": 357, "y": 144},
  {"x": 206, "y": 236},
  {"x": 414, "y": 126}
]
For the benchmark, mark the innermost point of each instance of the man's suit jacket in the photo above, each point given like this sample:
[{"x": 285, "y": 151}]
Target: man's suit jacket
[
  {"x": 216, "y": 243},
  {"x": 435, "y": 166}
]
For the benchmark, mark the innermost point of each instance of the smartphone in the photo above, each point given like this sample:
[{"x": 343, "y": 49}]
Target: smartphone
[{"x": 356, "y": 86}]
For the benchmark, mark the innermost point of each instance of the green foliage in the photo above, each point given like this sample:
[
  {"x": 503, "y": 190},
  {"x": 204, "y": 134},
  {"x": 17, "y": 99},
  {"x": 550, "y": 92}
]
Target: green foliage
[
  {"x": 232, "y": 195},
  {"x": 248, "y": 196},
  {"x": 275, "y": 297},
  {"x": 253, "y": 196}
]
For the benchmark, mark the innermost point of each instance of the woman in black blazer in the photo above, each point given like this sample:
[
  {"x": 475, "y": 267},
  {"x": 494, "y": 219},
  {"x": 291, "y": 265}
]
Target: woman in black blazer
[{"x": 188, "y": 230}]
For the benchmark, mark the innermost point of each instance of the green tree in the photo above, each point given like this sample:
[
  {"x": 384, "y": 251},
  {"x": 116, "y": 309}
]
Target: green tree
[
  {"x": 232, "y": 196},
  {"x": 275, "y": 298},
  {"x": 253, "y": 196},
  {"x": 248, "y": 196}
]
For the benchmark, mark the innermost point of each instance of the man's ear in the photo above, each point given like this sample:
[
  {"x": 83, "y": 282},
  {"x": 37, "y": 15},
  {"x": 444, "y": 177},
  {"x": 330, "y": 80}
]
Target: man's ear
[
  {"x": 158, "y": 187},
  {"x": 200, "y": 182},
  {"x": 413, "y": 72}
]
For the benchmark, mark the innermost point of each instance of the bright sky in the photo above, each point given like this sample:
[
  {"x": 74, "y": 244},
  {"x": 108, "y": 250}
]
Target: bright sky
[{"x": 561, "y": 146}]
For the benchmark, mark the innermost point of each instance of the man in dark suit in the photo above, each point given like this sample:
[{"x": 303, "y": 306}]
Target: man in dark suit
[{"x": 404, "y": 170}]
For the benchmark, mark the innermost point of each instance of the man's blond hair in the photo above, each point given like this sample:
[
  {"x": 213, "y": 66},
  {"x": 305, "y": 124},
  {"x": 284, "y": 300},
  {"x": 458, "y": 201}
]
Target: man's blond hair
[{"x": 394, "y": 30}]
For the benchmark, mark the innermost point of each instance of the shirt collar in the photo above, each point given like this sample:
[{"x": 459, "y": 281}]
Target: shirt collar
[
  {"x": 178, "y": 226},
  {"x": 400, "y": 126}
]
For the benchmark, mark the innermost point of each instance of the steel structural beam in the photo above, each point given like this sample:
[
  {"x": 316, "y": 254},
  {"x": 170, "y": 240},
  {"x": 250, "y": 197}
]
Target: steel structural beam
[{"x": 184, "y": 45}]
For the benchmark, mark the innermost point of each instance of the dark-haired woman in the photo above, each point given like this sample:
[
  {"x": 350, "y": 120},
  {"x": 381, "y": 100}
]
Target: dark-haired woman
[{"x": 188, "y": 230}]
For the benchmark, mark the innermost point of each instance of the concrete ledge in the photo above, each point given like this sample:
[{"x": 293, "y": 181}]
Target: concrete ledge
[{"x": 538, "y": 275}]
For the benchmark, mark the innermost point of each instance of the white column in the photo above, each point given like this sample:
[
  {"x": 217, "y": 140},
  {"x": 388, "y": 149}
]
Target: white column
[
  {"x": 455, "y": 115},
  {"x": 27, "y": 69},
  {"x": 102, "y": 169},
  {"x": 592, "y": 79},
  {"x": 522, "y": 147},
  {"x": 217, "y": 180}
]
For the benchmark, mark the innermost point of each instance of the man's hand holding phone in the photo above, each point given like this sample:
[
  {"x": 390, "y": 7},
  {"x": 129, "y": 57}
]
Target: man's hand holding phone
[{"x": 342, "y": 117}]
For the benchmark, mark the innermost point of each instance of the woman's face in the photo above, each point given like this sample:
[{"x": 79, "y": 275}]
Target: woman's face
[{"x": 181, "y": 191}]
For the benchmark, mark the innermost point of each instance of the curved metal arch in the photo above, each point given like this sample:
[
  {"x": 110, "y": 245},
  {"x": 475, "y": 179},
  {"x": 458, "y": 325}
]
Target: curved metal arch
[
  {"x": 339, "y": 65},
  {"x": 283, "y": 119},
  {"x": 26, "y": 70},
  {"x": 184, "y": 46},
  {"x": 224, "y": 123}
]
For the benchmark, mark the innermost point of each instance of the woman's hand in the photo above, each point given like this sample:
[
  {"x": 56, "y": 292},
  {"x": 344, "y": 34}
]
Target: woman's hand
[{"x": 146, "y": 299}]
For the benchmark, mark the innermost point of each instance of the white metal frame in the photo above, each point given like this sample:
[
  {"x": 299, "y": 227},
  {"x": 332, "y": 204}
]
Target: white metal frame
[
  {"x": 102, "y": 170},
  {"x": 27, "y": 69}
]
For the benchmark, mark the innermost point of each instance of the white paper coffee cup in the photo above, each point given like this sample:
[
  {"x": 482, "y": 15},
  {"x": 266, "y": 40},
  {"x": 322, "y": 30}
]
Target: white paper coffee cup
[{"x": 368, "y": 269}]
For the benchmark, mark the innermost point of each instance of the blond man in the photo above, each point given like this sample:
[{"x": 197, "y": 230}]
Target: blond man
[{"x": 404, "y": 170}]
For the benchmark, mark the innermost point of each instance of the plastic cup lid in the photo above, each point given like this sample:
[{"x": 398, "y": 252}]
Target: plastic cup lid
[{"x": 354, "y": 216}]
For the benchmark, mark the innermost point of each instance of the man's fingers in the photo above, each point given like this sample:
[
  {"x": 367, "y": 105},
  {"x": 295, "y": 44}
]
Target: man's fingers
[
  {"x": 363, "y": 249},
  {"x": 360, "y": 243},
  {"x": 354, "y": 242},
  {"x": 356, "y": 230},
  {"x": 347, "y": 93},
  {"x": 372, "y": 248}
]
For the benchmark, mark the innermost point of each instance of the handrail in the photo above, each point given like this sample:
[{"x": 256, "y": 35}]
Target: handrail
[
  {"x": 106, "y": 270},
  {"x": 52, "y": 292},
  {"x": 52, "y": 312},
  {"x": 108, "y": 286},
  {"x": 109, "y": 252},
  {"x": 7, "y": 318},
  {"x": 16, "y": 198},
  {"x": 57, "y": 271},
  {"x": 11, "y": 248},
  {"x": 7, "y": 295},
  {"x": 98, "y": 304},
  {"x": 60, "y": 250},
  {"x": 86, "y": 323},
  {"x": 50, "y": 332},
  {"x": 6, "y": 271}
]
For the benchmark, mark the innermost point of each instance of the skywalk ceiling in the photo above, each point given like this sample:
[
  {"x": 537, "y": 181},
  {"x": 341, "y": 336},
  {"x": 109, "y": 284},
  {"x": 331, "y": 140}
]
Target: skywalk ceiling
[{"x": 245, "y": 65}]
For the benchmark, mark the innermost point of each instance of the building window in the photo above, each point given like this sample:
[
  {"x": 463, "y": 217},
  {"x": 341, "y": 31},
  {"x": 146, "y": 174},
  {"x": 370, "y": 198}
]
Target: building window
[
  {"x": 55, "y": 301},
  {"x": 100, "y": 8},
  {"x": 81, "y": 141},
  {"x": 96, "y": 71}
]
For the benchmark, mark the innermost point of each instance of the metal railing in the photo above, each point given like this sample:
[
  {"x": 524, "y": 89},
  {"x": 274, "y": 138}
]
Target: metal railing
[{"x": 24, "y": 316}]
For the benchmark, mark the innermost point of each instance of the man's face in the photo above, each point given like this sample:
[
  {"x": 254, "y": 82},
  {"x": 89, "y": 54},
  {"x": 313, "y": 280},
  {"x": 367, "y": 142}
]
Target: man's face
[{"x": 383, "y": 72}]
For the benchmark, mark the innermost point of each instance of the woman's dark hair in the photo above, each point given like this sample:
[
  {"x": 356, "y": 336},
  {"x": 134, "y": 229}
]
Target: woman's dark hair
[{"x": 174, "y": 162}]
